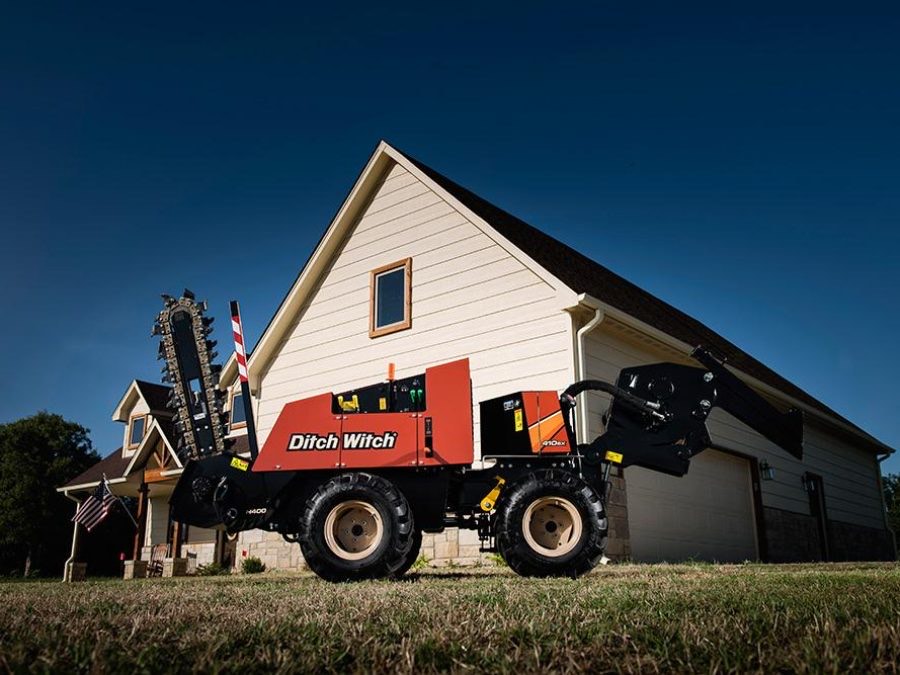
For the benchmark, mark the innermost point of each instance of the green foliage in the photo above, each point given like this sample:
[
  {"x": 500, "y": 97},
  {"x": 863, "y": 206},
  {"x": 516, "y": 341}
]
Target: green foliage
[
  {"x": 891, "y": 485},
  {"x": 421, "y": 562},
  {"x": 497, "y": 559},
  {"x": 212, "y": 570},
  {"x": 252, "y": 565},
  {"x": 37, "y": 455},
  {"x": 831, "y": 618}
]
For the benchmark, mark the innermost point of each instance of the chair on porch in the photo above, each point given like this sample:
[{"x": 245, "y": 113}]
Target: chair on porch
[{"x": 157, "y": 557}]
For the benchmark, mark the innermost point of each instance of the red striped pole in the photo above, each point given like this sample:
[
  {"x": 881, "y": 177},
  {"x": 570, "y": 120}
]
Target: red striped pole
[{"x": 240, "y": 353}]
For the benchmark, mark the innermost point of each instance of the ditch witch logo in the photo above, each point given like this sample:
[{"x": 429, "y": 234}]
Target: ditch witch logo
[{"x": 355, "y": 440}]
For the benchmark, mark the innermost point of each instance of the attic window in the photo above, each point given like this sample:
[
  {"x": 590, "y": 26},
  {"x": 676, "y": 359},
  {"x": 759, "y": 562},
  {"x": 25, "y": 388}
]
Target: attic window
[
  {"x": 390, "y": 305},
  {"x": 136, "y": 430},
  {"x": 238, "y": 414}
]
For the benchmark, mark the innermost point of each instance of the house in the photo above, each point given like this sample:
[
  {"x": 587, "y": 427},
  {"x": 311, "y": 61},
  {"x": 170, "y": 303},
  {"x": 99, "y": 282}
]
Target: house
[
  {"x": 146, "y": 469},
  {"x": 417, "y": 270}
]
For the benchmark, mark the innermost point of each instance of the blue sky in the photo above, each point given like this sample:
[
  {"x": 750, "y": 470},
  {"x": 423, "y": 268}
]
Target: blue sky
[{"x": 740, "y": 162}]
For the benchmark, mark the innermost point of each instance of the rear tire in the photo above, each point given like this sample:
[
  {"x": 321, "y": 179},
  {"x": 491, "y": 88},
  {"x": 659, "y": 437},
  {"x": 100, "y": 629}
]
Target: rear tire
[
  {"x": 551, "y": 523},
  {"x": 356, "y": 526},
  {"x": 412, "y": 556}
]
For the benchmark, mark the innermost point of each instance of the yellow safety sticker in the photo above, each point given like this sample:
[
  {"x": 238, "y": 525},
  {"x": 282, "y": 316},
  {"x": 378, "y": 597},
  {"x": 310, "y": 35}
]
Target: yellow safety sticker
[
  {"x": 382, "y": 403},
  {"x": 240, "y": 464},
  {"x": 518, "y": 416},
  {"x": 614, "y": 457}
]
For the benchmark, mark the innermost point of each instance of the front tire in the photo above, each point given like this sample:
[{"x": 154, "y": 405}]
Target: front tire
[
  {"x": 356, "y": 526},
  {"x": 551, "y": 523}
]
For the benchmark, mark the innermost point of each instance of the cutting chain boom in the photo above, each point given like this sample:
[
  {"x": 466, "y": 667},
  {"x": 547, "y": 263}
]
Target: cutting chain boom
[{"x": 188, "y": 354}]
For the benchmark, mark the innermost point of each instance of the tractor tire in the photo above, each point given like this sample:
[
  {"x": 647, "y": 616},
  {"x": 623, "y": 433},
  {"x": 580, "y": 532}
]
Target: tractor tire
[
  {"x": 551, "y": 523},
  {"x": 356, "y": 526},
  {"x": 412, "y": 556}
]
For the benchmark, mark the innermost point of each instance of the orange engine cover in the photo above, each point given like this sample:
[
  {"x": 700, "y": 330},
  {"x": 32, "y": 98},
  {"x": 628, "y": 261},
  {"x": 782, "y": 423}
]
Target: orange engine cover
[{"x": 310, "y": 434}]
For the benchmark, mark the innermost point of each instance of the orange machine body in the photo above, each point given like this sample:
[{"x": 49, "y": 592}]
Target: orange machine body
[{"x": 315, "y": 433}]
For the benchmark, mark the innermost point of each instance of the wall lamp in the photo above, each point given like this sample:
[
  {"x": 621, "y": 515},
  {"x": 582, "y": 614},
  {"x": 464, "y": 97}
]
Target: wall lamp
[{"x": 766, "y": 471}]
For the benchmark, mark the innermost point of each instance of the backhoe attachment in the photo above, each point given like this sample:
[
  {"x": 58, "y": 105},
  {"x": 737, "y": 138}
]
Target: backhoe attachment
[{"x": 657, "y": 418}]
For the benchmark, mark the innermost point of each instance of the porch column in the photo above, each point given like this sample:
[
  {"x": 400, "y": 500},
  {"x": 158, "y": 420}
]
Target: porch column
[{"x": 142, "y": 521}]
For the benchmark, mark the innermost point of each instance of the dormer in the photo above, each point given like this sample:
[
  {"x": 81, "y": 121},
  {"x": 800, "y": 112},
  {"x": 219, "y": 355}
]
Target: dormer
[{"x": 142, "y": 403}]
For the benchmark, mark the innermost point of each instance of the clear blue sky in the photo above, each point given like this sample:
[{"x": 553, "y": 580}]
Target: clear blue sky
[{"x": 742, "y": 164}]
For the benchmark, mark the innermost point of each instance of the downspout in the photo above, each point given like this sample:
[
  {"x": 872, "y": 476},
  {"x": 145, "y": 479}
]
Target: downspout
[
  {"x": 580, "y": 369},
  {"x": 884, "y": 505},
  {"x": 71, "y": 557}
]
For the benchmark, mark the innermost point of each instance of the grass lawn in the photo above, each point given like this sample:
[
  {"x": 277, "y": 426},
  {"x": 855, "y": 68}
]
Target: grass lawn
[{"x": 629, "y": 618}]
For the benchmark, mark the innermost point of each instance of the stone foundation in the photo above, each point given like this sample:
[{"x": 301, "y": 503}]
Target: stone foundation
[
  {"x": 618, "y": 547},
  {"x": 135, "y": 569},
  {"x": 794, "y": 537},
  {"x": 175, "y": 567},
  {"x": 453, "y": 547},
  {"x": 856, "y": 542},
  {"x": 271, "y": 548},
  {"x": 790, "y": 537}
]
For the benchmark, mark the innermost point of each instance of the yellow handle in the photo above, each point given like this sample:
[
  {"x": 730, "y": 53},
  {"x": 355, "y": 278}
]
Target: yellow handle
[{"x": 490, "y": 499}]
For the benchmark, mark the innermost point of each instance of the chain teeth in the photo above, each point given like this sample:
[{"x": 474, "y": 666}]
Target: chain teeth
[{"x": 178, "y": 400}]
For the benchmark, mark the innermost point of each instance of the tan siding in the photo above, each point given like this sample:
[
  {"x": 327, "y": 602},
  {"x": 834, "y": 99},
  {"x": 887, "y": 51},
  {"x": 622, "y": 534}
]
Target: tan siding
[
  {"x": 850, "y": 474},
  {"x": 470, "y": 298}
]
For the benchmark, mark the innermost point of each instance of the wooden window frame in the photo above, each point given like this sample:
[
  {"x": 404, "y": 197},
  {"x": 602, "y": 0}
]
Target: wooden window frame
[
  {"x": 406, "y": 324},
  {"x": 231, "y": 396},
  {"x": 131, "y": 420}
]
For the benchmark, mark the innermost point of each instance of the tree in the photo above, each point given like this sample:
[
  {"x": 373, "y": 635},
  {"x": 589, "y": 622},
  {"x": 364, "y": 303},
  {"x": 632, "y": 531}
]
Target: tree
[
  {"x": 37, "y": 455},
  {"x": 891, "y": 486}
]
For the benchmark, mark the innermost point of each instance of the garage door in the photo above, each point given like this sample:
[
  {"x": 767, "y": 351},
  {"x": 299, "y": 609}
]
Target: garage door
[{"x": 705, "y": 515}]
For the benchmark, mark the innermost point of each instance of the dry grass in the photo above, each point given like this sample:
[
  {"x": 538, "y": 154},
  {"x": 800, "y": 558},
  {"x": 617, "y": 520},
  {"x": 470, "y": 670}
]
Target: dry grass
[{"x": 833, "y": 618}]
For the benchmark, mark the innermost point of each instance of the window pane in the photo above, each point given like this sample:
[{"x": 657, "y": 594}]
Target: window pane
[
  {"x": 137, "y": 430},
  {"x": 390, "y": 288},
  {"x": 237, "y": 410}
]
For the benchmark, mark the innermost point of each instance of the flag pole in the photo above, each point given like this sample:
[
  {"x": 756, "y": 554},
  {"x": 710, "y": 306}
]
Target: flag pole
[
  {"x": 240, "y": 353},
  {"x": 119, "y": 499}
]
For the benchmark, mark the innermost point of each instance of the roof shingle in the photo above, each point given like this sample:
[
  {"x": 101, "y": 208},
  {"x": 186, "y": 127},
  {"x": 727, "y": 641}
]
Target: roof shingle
[{"x": 113, "y": 466}]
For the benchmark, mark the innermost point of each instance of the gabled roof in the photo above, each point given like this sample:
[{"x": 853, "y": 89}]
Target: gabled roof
[
  {"x": 163, "y": 429},
  {"x": 112, "y": 466},
  {"x": 562, "y": 266},
  {"x": 156, "y": 397}
]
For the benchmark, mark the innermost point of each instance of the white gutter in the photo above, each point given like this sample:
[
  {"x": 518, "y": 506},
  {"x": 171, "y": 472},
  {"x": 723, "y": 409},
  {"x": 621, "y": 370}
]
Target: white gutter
[{"x": 582, "y": 410}]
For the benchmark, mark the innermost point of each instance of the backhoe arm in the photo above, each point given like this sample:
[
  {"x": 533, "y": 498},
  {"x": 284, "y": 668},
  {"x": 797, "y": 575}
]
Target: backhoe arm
[{"x": 657, "y": 418}]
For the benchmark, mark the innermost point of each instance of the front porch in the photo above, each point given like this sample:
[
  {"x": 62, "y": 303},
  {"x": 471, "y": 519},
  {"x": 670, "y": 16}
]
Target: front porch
[{"x": 143, "y": 479}]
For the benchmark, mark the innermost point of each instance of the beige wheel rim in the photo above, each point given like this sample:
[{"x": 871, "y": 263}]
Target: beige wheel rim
[
  {"x": 353, "y": 530},
  {"x": 552, "y": 526}
]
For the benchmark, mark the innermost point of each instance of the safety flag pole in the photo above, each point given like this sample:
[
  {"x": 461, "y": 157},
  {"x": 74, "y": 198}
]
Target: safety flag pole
[{"x": 241, "y": 355}]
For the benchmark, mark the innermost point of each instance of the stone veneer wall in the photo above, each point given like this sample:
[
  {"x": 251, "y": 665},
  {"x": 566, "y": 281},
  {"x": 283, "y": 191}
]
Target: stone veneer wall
[
  {"x": 618, "y": 547},
  {"x": 856, "y": 542},
  {"x": 794, "y": 537},
  {"x": 790, "y": 537}
]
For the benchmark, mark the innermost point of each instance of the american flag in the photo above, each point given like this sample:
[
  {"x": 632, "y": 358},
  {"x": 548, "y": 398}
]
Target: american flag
[{"x": 96, "y": 507}]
